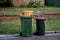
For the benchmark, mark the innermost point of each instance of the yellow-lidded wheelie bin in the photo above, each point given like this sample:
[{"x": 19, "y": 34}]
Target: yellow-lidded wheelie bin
[{"x": 26, "y": 23}]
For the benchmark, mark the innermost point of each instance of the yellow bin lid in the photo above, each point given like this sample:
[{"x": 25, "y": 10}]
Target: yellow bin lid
[{"x": 26, "y": 13}]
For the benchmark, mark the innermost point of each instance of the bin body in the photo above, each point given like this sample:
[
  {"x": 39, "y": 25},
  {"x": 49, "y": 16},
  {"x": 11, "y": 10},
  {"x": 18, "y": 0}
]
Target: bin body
[
  {"x": 26, "y": 26},
  {"x": 40, "y": 27}
]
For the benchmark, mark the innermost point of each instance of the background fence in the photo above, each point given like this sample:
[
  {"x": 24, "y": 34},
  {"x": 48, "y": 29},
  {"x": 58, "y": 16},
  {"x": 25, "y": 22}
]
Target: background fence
[{"x": 52, "y": 2}]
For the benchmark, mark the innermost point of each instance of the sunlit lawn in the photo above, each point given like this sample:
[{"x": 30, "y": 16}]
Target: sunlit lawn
[
  {"x": 15, "y": 10},
  {"x": 14, "y": 26}
]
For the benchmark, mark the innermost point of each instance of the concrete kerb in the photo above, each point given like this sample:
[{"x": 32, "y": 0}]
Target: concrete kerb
[{"x": 50, "y": 32}]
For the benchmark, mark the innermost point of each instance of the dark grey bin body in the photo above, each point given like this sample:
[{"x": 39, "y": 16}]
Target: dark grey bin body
[{"x": 40, "y": 27}]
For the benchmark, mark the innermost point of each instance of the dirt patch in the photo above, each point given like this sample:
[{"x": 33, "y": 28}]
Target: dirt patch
[
  {"x": 16, "y": 17},
  {"x": 52, "y": 15},
  {"x": 9, "y": 17}
]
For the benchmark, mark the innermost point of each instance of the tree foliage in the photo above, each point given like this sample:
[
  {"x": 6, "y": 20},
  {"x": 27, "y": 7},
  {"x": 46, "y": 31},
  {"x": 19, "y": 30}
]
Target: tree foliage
[
  {"x": 6, "y": 3},
  {"x": 3, "y": 1}
]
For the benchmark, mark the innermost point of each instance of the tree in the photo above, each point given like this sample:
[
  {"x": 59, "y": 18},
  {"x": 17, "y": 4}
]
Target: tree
[
  {"x": 6, "y": 3},
  {"x": 3, "y": 1}
]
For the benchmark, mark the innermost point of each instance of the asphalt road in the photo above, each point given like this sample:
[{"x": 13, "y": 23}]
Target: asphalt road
[{"x": 53, "y": 36}]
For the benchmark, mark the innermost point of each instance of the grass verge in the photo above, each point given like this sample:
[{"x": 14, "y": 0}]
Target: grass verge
[{"x": 13, "y": 26}]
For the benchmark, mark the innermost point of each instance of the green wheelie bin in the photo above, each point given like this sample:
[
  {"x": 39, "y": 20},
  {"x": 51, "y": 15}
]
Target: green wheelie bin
[{"x": 26, "y": 26}]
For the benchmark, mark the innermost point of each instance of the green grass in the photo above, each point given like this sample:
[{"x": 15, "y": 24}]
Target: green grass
[
  {"x": 52, "y": 24},
  {"x": 9, "y": 27},
  {"x": 13, "y": 26},
  {"x": 18, "y": 10}
]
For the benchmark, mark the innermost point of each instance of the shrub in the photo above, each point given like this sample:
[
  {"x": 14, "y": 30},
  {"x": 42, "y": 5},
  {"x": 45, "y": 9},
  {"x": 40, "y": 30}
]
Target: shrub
[
  {"x": 30, "y": 4},
  {"x": 22, "y": 5},
  {"x": 34, "y": 4}
]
